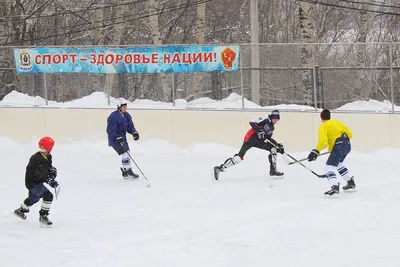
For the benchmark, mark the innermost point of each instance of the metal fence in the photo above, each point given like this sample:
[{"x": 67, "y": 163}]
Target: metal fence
[{"x": 318, "y": 75}]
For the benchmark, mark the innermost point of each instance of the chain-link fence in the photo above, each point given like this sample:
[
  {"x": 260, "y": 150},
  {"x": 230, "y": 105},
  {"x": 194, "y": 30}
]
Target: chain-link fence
[
  {"x": 315, "y": 75},
  {"x": 325, "y": 75}
]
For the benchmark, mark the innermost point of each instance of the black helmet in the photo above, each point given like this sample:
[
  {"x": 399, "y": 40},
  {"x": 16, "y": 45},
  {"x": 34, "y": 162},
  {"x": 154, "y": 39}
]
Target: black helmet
[
  {"x": 275, "y": 115},
  {"x": 325, "y": 115}
]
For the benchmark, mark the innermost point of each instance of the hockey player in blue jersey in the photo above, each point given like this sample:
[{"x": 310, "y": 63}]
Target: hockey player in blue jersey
[{"x": 118, "y": 124}]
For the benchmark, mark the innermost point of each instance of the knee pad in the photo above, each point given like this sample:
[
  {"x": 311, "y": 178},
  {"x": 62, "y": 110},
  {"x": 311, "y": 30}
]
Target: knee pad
[
  {"x": 48, "y": 196},
  {"x": 274, "y": 151},
  {"x": 237, "y": 159},
  {"x": 232, "y": 161}
]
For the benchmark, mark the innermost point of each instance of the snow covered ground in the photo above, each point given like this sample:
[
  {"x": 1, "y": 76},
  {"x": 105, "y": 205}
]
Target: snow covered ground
[
  {"x": 233, "y": 101},
  {"x": 186, "y": 219}
]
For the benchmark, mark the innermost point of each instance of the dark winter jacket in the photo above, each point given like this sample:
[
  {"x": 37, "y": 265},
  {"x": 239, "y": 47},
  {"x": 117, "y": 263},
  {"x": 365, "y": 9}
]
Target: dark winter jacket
[
  {"x": 118, "y": 125},
  {"x": 37, "y": 170},
  {"x": 263, "y": 125}
]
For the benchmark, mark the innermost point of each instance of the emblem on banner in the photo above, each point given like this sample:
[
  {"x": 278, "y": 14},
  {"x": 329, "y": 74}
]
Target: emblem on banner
[
  {"x": 228, "y": 57},
  {"x": 25, "y": 62}
]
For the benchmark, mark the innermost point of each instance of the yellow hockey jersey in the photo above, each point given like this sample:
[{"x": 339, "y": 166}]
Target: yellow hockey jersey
[{"x": 329, "y": 131}]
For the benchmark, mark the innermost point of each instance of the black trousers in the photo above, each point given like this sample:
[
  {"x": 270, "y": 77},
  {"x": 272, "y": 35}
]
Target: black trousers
[{"x": 260, "y": 145}]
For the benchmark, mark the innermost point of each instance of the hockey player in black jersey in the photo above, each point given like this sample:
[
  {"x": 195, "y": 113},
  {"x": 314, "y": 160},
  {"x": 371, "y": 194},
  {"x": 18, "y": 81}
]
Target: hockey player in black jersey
[
  {"x": 261, "y": 130},
  {"x": 39, "y": 171}
]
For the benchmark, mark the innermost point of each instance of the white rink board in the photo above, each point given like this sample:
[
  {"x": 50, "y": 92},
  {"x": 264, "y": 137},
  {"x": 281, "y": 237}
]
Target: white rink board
[{"x": 183, "y": 128}]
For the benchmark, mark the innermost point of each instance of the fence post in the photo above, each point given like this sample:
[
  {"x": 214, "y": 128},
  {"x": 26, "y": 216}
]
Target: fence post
[
  {"x": 108, "y": 89},
  {"x": 241, "y": 78},
  {"x": 255, "y": 51},
  {"x": 45, "y": 89},
  {"x": 315, "y": 86},
  {"x": 391, "y": 74},
  {"x": 173, "y": 88},
  {"x": 321, "y": 86}
]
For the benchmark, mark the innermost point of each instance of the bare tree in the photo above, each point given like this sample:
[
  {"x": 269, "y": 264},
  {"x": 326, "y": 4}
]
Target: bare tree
[
  {"x": 361, "y": 50},
  {"x": 307, "y": 35},
  {"x": 200, "y": 38},
  {"x": 116, "y": 36},
  {"x": 157, "y": 22},
  {"x": 154, "y": 9},
  {"x": 98, "y": 21}
]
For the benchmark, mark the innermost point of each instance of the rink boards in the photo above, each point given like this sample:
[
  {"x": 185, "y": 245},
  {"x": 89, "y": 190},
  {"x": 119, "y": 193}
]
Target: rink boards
[{"x": 297, "y": 130}]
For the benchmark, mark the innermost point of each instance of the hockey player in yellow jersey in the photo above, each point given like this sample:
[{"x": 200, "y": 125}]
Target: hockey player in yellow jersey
[{"x": 336, "y": 136}]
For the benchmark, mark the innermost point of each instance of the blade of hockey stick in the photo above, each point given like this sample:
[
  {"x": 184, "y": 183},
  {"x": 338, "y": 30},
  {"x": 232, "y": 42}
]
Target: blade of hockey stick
[
  {"x": 147, "y": 184},
  {"x": 57, "y": 191},
  {"x": 313, "y": 172},
  {"x": 54, "y": 191},
  {"x": 293, "y": 158}
]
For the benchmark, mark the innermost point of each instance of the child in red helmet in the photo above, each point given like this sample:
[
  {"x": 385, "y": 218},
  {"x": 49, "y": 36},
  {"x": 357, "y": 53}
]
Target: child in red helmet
[{"x": 39, "y": 171}]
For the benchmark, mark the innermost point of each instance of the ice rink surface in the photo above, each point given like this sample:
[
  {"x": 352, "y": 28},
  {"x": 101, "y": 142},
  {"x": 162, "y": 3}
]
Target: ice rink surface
[{"x": 187, "y": 220}]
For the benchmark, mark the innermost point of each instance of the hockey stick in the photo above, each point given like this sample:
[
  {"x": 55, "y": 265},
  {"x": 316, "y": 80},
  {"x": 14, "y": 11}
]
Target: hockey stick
[
  {"x": 300, "y": 160},
  {"x": 313, "y": 172},
  {"x": 147, "y": 184},
  {"x": 57, "y": 191},
  {"x": 290, "y": 156},
  {"x": 54, "y": 191}
]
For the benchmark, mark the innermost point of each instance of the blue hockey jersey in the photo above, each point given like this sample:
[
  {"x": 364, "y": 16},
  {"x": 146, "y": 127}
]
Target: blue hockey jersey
[{"x": 118, "y": 125}]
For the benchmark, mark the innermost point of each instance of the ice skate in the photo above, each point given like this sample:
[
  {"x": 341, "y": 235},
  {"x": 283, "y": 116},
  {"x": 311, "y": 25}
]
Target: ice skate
[
  {"x": 129, "y": 174},
  {"x": 217, "y": 170},
  {"x": 350, "y": 185},
  {"x": 20, "y": 212},
  {"x": 273, "y": 172},
  {"x": 44, "y": 221},
  {"x": 334, "y": 190}
]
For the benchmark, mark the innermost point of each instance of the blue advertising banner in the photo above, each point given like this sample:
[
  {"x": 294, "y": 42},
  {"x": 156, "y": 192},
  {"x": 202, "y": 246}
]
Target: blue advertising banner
[{"x": 164, "y": 59}]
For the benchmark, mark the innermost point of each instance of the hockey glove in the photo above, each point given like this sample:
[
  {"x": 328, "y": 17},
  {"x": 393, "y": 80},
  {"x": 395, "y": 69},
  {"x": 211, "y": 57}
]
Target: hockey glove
[
  {"x": 53, "y": 173},
  {"x": 280, "y": 149},
  {"x": 135, "y": 136},
  {"x": 53, "y": 183},
  {"x": 313, "y": 155}
]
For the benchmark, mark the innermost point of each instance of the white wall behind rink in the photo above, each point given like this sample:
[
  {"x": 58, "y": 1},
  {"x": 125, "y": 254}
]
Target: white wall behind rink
[{"x": 296, "y": 130}]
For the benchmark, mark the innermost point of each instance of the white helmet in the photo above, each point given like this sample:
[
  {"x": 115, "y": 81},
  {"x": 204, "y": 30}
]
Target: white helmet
[{"x": 121, "y": 102}]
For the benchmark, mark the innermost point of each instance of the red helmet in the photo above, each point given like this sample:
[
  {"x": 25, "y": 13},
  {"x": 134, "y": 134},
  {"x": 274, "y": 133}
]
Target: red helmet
[{"x": 46, "y": 144}]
